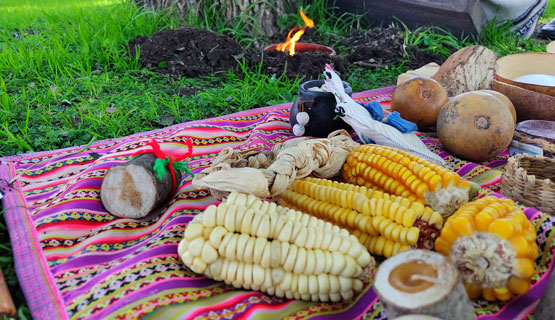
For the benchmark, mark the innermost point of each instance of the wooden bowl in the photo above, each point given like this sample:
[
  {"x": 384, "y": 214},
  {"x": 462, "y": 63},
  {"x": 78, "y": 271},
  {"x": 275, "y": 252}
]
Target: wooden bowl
[
  {"x": 515, "y": 65},
  {"x": 529, "y": 105}
]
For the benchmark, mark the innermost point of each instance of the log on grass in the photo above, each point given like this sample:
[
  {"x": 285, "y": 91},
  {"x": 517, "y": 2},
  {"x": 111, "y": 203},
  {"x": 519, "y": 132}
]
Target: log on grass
[
  {"x": 422, "y": 282},
  {"x": 133, "y": 190},
  {"x": 7, "y": 307}
]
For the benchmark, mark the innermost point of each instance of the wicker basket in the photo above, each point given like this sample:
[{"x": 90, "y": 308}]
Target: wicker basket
[{"x": 530, "y": 180}]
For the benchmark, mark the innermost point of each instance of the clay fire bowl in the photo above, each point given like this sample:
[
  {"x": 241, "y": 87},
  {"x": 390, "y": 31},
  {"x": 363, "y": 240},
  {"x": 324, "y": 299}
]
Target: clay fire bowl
[
  {"x": 306, "y": 47},
  {"x": 529, "y": 105},
  {"x": 515, "y": 65}
]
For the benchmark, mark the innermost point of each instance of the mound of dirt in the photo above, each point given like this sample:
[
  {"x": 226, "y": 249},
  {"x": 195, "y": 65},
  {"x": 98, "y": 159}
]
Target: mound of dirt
[
  {"x": 193, "y": 52},
  {"x": 187, "y": 51},
  {"x": 380, "y": 47}
]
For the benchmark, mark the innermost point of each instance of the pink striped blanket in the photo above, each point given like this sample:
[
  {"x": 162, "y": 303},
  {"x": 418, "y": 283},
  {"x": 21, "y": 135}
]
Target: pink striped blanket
[{"x": 76, "y": 261}]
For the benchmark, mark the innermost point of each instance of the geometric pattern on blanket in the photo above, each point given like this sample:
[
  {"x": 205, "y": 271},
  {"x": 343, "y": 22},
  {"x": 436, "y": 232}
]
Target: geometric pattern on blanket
[{"x": 76, "y": 261}]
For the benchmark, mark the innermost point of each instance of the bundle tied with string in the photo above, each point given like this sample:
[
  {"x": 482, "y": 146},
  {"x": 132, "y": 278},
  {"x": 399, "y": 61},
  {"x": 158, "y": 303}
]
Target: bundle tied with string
[
  {"x": 264, "y": 174},
  {"x": 422, "y": 282},
  {"x": 135, "y": 188}
]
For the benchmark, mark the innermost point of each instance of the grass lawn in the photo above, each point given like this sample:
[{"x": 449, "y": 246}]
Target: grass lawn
[{"x": 66, "y": 77}]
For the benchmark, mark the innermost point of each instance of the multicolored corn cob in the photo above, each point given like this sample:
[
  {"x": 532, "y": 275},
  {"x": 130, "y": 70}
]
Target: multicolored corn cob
[{"x": 385, "y": 225}]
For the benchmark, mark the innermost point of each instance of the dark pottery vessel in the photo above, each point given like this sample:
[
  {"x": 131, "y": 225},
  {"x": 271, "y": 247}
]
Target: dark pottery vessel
[{"x": 320, "y": 107}]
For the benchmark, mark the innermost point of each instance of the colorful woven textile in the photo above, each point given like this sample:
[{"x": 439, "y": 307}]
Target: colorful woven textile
[{"x": 76, "y": 261}]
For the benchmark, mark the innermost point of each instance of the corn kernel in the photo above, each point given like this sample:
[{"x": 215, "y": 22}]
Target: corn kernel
[
  {"x": 520, "y": 246},
  {"x": 517, "y": 285},
  {"x": 448, "y": 234},
  {"x": 502, "y": 228},
  {"x": 483, "y": 220},
  {"x": 502, "y": 294},
  {"x": 525, "y": 268},
  {"x": 473, "y": 290},
  {"x": 442, "y": 246},
  {"x": 489, "y": 294},
  {"x": 462, "y": 225}
]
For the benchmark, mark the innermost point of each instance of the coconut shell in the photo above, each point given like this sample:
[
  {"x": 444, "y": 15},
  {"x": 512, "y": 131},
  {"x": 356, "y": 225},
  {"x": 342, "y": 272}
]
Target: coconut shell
[
  {"x": 469, "y": 69},
  {"x": 517, "y": 65},
  {"x": 529, "y": 105}
]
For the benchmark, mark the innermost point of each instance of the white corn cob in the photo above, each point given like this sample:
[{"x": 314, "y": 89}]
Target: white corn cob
[{"x": 258, "y": 245}]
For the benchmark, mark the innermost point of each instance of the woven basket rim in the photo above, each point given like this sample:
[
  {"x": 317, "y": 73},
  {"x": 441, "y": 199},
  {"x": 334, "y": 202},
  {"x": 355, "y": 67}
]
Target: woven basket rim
[
  {"x": 517, "y": 162},
  {"x": 531, "y": 190}
]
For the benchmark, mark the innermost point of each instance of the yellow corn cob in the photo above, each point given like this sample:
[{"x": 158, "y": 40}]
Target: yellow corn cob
[
  {"x": 384, "y": 226},
  {"x": 422, "y": 212},
  {"x": 403, "y": 174},
  {"x": 495, "y": 244},
  {"x": 258, "y": 245}
]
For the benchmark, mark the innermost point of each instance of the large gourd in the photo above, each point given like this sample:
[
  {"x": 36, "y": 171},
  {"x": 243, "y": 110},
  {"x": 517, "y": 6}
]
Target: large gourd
[
  {"x": 419, "y": 100},
  {"x": 475, "y": 126}
]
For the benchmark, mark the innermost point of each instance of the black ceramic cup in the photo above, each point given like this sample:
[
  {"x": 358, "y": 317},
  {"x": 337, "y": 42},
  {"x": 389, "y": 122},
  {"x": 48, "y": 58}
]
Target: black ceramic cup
[{"x": 320, "y": 107}]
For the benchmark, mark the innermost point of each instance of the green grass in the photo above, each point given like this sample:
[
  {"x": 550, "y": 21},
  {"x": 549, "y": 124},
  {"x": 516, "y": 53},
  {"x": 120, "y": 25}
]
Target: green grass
[
  {"x": 549, "y": 13},
  {"x": 66, "y": 76}
]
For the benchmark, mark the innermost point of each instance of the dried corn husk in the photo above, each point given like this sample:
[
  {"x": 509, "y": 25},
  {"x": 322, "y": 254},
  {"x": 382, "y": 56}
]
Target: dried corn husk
[{"x": 266, "y": 174}]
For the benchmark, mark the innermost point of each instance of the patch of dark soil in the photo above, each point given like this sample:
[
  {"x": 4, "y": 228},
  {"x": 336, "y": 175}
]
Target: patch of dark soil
[
  {"x": 377, "y": 46},
  {"x": 193, "y": 52},
  {"x": 187, "y": 51},
  {"x": 381, "y": 47}
]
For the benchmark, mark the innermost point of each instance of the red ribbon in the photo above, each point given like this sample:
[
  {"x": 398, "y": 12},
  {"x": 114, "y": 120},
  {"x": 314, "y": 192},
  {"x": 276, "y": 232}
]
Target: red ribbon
[{"x": 157, "y": 150}]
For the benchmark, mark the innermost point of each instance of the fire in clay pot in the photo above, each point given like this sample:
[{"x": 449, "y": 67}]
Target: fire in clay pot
[{"x": 292, "y": 44}]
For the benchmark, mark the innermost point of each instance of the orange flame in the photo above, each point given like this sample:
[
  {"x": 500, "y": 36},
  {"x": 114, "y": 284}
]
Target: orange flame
[{"x": 289, "y": 44}]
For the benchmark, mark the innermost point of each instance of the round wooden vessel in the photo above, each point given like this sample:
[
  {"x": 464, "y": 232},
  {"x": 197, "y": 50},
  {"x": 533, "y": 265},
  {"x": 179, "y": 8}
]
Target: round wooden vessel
[{"x": 517, "y": 65}]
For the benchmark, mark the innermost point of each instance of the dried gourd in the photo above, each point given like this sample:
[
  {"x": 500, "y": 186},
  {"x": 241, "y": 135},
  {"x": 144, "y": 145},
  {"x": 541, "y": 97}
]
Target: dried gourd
[
  {"x": 493, "y": 244},
  {"x": 385, "y": 224},
  {"x": 258, "y": 245},
  {"x": 403, "y": 174}
]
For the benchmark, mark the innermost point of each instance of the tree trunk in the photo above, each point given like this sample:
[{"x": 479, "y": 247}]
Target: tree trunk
[
  {"x": 264, "y": 12},
  {"x": 422, "y": 282},
  {"x": 133, "y": 190}
]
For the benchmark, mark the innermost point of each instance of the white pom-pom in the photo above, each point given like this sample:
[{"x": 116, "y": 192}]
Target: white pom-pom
[
  {"x": 303, "y": 118},
  {"x": 298, "y": 130}
]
